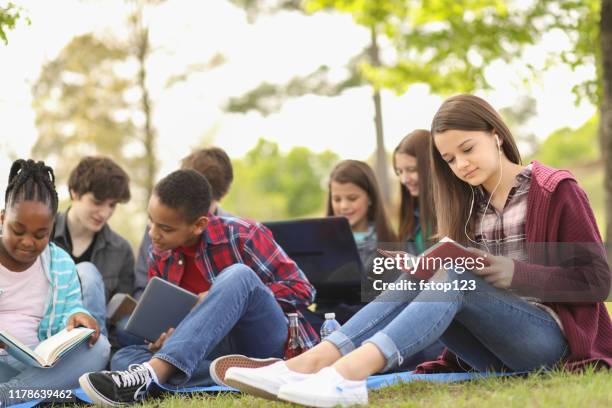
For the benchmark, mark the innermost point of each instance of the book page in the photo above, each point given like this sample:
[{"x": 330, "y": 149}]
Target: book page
[{"x": 55, "y": 345}]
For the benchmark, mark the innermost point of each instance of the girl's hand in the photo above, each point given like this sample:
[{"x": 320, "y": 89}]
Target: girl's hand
[
  {"x": 154, "y": 347},
  {"x": 84, "y": 320},
  {"x": 498, "y": 273}
]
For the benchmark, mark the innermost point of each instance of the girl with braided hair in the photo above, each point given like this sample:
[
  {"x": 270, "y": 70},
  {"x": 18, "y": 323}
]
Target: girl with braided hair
[{"x": 40, "y": 293}]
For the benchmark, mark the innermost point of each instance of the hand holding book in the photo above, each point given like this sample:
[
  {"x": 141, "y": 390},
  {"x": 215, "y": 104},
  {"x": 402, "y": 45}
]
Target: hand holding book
[
  {"x": 498, "y": 272},
  {"x": 84, "y": 320},
  {"x": 446, "y": 254}
]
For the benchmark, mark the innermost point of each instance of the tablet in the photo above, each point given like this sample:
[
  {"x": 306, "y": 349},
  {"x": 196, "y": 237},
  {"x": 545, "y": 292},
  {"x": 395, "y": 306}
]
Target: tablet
[{"x": 162, "y": 305}]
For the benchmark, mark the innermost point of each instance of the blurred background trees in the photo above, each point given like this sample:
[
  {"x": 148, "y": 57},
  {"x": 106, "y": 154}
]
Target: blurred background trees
[{"x": 95, "y": 96}]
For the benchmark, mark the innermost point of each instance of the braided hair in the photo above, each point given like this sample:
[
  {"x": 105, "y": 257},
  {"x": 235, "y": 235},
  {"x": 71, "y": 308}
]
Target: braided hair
[{"x": 30, "y": 180}]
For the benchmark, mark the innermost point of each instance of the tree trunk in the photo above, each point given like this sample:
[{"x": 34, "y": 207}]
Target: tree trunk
[
  {"x": 605, "y": 124},
  {"x": 149, "y": 132},
  {"x": 142, "y": 49},
  {"x": 381, "y": 167}
]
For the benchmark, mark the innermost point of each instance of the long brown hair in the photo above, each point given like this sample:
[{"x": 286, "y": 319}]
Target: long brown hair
[
  {"x": 360, "y": 174},
  {"x": 452, "y": 197},
  {"x": 416, "y": 144}
]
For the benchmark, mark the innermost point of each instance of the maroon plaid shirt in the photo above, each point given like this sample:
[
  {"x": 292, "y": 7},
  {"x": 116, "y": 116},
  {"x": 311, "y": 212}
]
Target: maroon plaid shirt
[
  {"x": 228, "y": 241},
  {"x": 503, "y": 232}
]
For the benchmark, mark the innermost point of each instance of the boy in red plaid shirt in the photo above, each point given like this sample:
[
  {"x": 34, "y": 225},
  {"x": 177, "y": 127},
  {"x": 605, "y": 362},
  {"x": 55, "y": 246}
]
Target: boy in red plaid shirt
[{"x": 245, "y": 282}]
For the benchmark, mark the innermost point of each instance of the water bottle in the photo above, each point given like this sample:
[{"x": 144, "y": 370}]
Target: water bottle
[{"x": 330, "y": 325}]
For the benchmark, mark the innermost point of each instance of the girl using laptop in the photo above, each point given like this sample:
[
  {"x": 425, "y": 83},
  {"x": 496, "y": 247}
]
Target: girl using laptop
[{"x": 354, "y": 193}]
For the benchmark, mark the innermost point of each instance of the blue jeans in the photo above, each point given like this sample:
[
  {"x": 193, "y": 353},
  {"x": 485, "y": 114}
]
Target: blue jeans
[
  {"x": 94, "y": 295},
  {"x": 239, "y": 315},
  {"x": 489, "y": 328},
  {"x": 15, "y": 375}
]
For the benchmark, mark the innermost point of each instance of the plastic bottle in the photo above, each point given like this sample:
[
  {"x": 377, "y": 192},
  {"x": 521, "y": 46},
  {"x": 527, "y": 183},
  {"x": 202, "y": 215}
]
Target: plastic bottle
[
  {"x": 293, "y": 346},
  {"x": 329, "y": 325}
]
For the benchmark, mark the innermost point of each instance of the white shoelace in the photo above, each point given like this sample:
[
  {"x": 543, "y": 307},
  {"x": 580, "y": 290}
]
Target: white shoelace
[{"x": 134, "y": 375}]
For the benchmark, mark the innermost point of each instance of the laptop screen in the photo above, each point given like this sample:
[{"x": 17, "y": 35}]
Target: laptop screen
[{"x": 325, "y": 250}]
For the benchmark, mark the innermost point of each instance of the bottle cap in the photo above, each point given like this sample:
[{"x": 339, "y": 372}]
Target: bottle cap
[
  {"x": 330, "y": 315},
  {"x": 292, "y": 315}
]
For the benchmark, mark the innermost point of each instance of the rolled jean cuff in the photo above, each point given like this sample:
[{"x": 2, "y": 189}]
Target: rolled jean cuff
[
  {"x": 388, "y": 349},
  {"x": 182, "y": 374},
  {"x": 342, "y": 342}
]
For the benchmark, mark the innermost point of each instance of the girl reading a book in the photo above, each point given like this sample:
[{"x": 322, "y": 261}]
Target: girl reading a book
[
  {"x": 527, "y": 311},
  {"x": 417, "y": 220},
  {"x": 40, "y": 294}
]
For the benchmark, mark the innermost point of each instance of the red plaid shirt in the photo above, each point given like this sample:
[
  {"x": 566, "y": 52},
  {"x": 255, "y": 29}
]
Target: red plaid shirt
[{"x": 228, "y": 241}]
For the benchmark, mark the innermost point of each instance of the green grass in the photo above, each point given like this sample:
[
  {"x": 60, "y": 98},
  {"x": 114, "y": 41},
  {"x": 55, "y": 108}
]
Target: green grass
[{"x": 558, "y": 389}]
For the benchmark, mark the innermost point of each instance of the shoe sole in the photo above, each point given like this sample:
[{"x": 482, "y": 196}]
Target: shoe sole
[
  {"x": 96, "y": 398},
  {"x": 219, "y": 366},
  {"x": 245, "y": 385},
  {"x": 312, "y": 401}
]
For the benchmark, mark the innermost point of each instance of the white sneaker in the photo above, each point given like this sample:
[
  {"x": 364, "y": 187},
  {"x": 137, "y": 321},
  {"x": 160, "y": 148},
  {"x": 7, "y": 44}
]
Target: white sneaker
[
  {"x": 325, "y": 389},
  {"x": 219, "y": 366},
  {"x": 262, "y": 382}
]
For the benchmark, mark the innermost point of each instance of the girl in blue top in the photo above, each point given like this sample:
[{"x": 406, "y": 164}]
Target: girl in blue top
[
  {"x": 354, "y": 194},
  {"x": 40, "y": 291}
]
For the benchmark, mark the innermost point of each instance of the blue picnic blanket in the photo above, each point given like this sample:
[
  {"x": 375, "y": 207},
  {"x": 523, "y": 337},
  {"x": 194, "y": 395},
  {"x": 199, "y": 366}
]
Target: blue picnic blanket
[{"x": 374, "y": 382}]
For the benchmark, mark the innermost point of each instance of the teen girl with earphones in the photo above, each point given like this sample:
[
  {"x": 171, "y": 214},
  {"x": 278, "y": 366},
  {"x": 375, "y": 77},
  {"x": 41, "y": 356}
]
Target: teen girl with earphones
[{"x": 491, "y": 327}]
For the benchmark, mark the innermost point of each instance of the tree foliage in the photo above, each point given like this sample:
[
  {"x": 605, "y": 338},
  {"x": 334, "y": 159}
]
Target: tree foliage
[
  {"x": 446, "y": 44},
  {"x": 271, "y": 185},
  {"x": 81, "y": 106},
  {"x": 579, "y": 19},
  {"x": 9, "y": 15},
  {"x": 567, "y": 148}
]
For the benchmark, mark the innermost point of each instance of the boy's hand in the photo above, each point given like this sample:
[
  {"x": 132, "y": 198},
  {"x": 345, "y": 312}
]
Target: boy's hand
[
  {"x": 84, "y": 320},
  {"x": 498, "y": 273},
  {"x": 154, "y": 347},
  {"x": 2, "y": 346}
]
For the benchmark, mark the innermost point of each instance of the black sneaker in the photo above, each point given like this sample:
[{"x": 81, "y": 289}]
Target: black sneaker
[{"x": 117, "y": 388}]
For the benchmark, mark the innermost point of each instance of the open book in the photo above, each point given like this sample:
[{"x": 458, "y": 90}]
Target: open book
[
  {"x": 446, "y": 254},
  {"x": 48, "y": 352}
]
